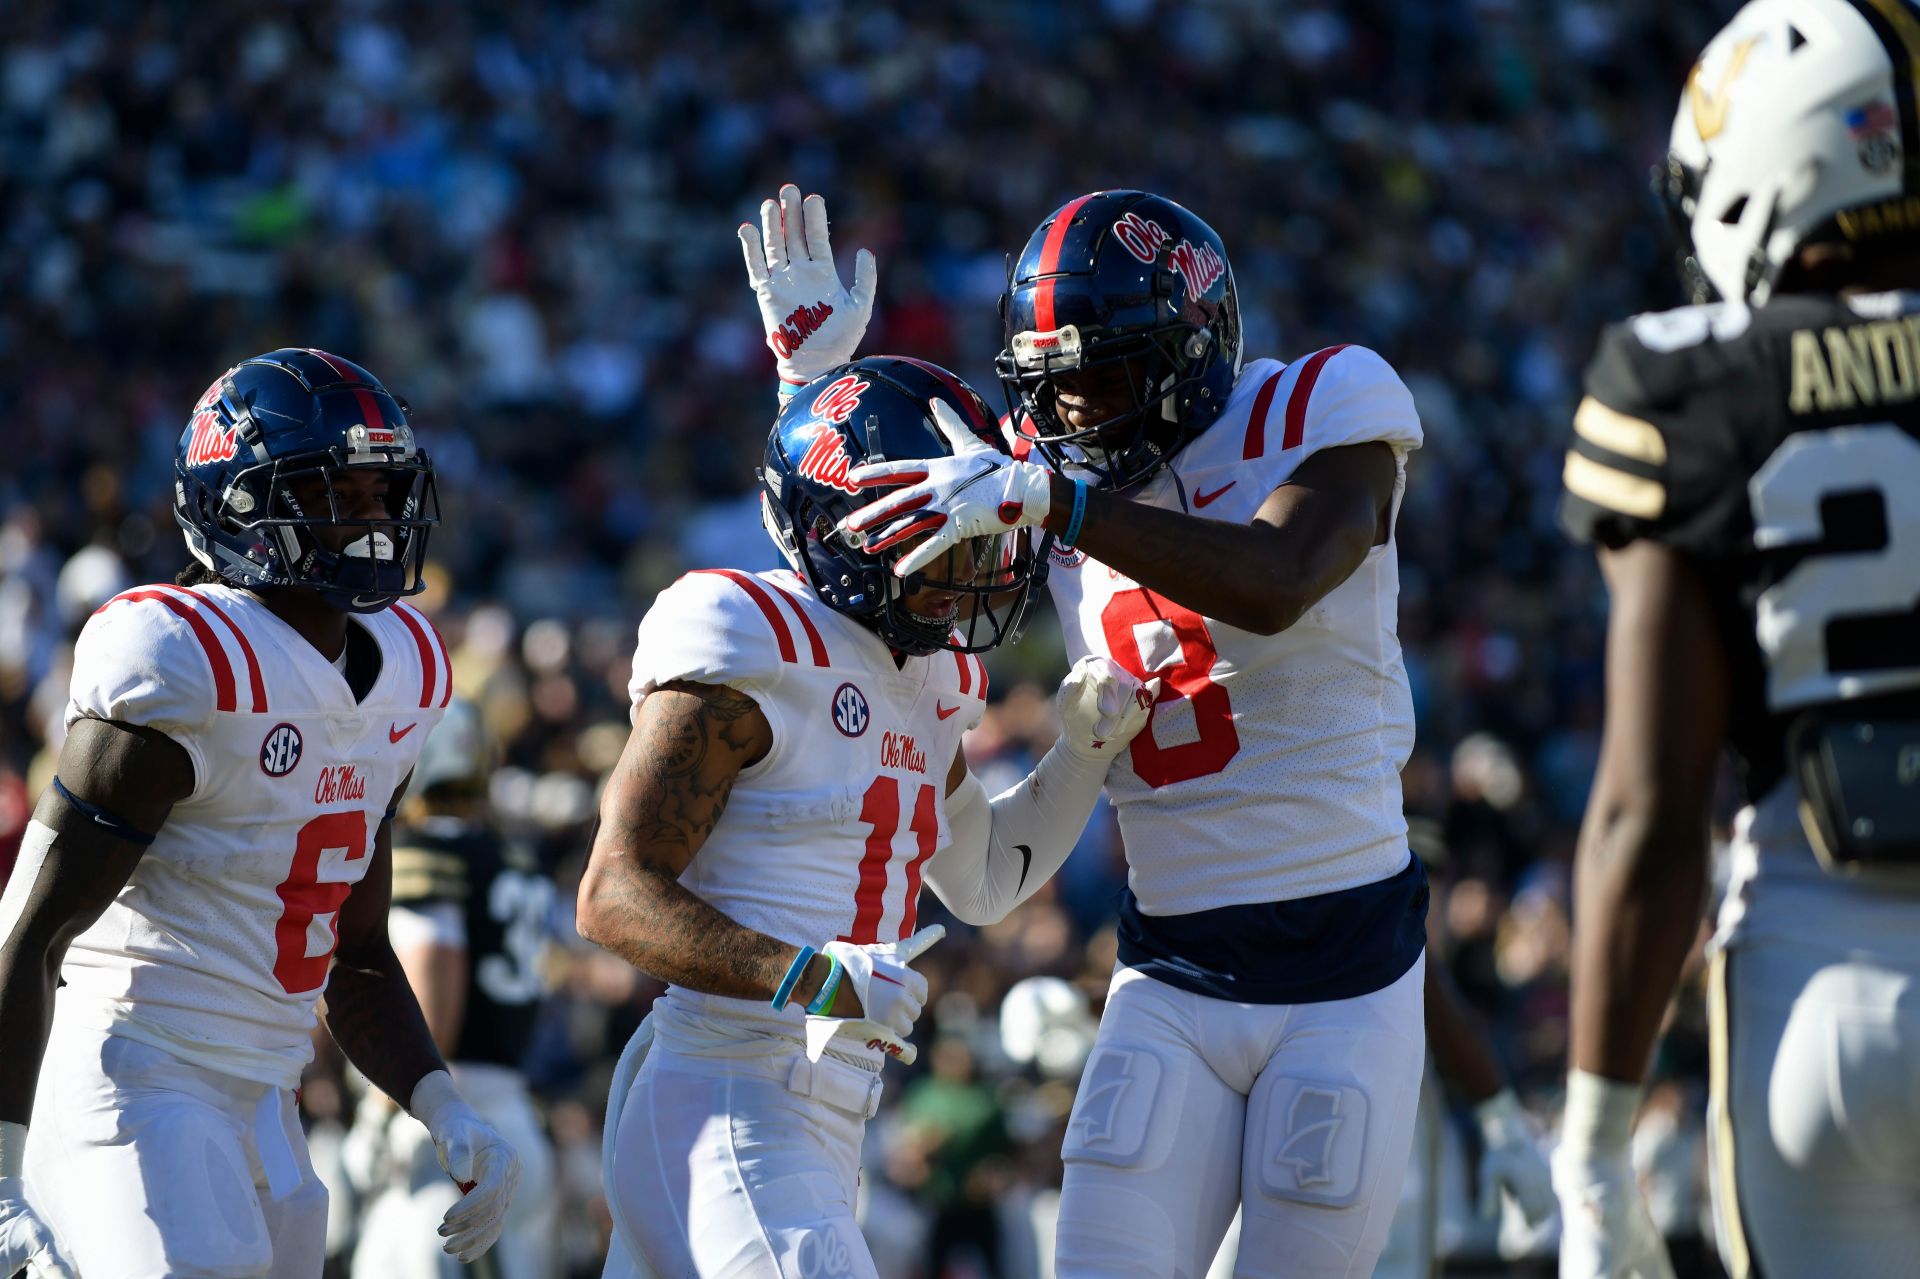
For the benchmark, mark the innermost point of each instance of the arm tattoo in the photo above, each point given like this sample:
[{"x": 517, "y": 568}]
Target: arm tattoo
[{"x": 671, "y": 790}]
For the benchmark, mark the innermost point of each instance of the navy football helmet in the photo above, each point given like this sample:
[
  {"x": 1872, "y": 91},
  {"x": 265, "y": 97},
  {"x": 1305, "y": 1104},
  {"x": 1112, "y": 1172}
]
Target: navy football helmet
[
  {"x": 1121, "y": 280},
  {"x": 293, "y": 421},
  {"x": 874, "y": 410}
]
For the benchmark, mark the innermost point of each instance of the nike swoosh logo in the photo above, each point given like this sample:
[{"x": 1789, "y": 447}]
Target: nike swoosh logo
[
  {"x": 942, "y": 712},
  {"x": 1026, "y": 864},
  {"x": 1203, "y": 499},
  {"x": 395, "y": 734},
  {"x": 892, "y": 981}
]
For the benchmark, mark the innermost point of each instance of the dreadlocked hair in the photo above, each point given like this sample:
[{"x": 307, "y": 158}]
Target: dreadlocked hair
[{"x": 197, "y": 574}]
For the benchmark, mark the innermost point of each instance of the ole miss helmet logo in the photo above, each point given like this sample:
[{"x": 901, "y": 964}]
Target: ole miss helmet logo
[
  {"x": 209, "y": 442},
  {"x": 840, "y": 399},
  {"x": 1200, "y": 265},
  {"x": 825, "y": 462}
]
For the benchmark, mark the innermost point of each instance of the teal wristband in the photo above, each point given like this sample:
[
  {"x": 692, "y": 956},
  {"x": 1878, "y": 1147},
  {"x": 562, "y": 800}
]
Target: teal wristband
[
  {"x": 828, "y": 988},
  {"x": 792, "y": 979},
  {"x": 1079, "y": 514}
]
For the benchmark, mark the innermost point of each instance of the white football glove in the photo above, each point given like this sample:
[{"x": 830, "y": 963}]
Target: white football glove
[
  {"x": 478, "y": 1159},
  {"x": 813, "y": 322},
  {"x": 25, "y": 1240},
  {"x": 1102, "y": 707},
  {"x": 978, "y": 492},
  {"x": 1606, "y": 1231},
  {"x": 1511, "y": 1159},
  {"x": 891, "y": 992}
]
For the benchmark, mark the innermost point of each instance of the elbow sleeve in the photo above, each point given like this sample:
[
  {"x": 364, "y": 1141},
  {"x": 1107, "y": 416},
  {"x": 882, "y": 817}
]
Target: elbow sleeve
[{"x": 1004, "y": 849}]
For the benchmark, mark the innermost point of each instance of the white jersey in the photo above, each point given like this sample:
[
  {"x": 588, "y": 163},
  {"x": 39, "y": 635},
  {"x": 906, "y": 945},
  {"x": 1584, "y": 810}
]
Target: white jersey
[
  {"x": 218, "y": 947},
  {"x": 827, "y": 837},
  {"x": 1275, "y": 774}
]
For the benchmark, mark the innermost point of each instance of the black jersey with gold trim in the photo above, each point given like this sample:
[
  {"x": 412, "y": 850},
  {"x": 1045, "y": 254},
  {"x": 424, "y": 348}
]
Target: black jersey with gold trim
[
  {"x": 506, "y": 902},
  {"x": 1779, "y": 448}
]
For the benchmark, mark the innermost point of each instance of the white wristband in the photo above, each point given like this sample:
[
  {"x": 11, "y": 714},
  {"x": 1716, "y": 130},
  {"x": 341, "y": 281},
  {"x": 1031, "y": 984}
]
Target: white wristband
[
  {"x": 13, "y": 1149},
  {"x": 1598, "y": 1118},
  {"x": 433, "y": 1094},
  {"x": 1498, "y": 1116}
]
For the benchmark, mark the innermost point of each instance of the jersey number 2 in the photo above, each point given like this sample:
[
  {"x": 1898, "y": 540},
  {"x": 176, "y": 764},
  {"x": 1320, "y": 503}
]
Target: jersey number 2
[
  {"x": 306, "y": 897},
  {"x": 1190, "y": 677},
  {"x": 880, "y": 810}
]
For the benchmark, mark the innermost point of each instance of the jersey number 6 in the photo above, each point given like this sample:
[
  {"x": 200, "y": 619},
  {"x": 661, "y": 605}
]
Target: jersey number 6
[
  {"x": 307, "y": 897},
  {"x": 1190, "y": 677}
]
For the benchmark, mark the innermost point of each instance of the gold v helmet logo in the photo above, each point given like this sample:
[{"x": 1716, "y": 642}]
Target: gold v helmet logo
[{"x": 1710, "y": 109}]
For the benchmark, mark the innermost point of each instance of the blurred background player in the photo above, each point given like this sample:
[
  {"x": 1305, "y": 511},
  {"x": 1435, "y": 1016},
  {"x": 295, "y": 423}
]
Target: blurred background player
[
  {"x": 471, "y": 921},
  {"x": 1231, "y": 530},
  {"x": 236, "y": 747},
  {"x": 793, "y": 775},
  {"x": 1749, "y": 469}
]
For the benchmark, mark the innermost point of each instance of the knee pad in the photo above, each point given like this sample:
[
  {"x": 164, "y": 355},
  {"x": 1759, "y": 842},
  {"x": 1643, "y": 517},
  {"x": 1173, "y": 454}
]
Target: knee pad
[
  {"x": 1117, "y": 1119},
  {"x": 1306, "y": 1140}
]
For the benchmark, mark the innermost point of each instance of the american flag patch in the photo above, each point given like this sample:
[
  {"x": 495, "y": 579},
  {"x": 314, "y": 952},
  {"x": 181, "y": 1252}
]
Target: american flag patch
[{"x": 1875, "y": 117}]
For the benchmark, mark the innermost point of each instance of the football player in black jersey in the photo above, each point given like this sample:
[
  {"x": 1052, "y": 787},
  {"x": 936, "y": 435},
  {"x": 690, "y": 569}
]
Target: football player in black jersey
[
  {"x": 1749, "y": 469},
  {"x": 471, "y": 912}
]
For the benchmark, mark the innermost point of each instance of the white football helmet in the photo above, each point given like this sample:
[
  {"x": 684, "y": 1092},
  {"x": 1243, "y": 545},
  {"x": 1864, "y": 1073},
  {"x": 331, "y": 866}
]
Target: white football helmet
[{"x": 1798, "y": 121}]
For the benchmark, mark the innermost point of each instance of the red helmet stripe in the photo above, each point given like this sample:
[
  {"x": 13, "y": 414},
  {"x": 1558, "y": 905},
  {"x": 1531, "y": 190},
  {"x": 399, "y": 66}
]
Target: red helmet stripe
[
  {"x": 956, "y": 388},
  {"x": 1049, "y": 262},
  {"x": 370, "y": 415}
]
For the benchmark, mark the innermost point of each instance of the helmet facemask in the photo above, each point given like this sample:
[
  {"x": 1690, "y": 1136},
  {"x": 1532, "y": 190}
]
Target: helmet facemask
[{"x": 1161, "y": 370}]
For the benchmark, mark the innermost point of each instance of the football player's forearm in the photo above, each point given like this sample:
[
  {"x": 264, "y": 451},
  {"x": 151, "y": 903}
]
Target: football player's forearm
[
  {"x": 372, "y": 1014},
  {"x": 641, "y": 913},
  {"x": 1258, "y": 577},
  {"x": 1003, "y": 850},
  {"x": 1640, "y": 884},
  {"x": 26, "y": 1017}
]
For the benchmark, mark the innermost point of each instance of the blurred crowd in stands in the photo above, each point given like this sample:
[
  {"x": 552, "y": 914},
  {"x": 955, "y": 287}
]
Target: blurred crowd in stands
[{"x": 522, "y": 219}]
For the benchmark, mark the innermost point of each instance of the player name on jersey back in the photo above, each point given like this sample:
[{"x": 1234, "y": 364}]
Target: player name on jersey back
[{"x": 219, "y": 946}]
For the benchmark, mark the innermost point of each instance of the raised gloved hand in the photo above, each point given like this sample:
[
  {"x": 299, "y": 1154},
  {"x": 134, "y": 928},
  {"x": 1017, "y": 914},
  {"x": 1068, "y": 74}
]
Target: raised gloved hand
[
  {"x": 1606, "y": 1231},
  {"x": 25, "y": 1240},
  {"x": 977, "y": 492},
  {"x": 478, "y": 1159},
  {"x": 813, "y": 322},
  {"x": 1102, "y": 707},
  {"x": 1511, "y": 1159}
]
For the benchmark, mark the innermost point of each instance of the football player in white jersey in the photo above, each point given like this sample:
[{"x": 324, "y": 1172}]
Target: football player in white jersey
[
  {"x": 1227, "y": 526},
  {"x": 793, "y": 777},
  {"x": 1748, "y": 469},
  {"x": 235, "y": 746}
]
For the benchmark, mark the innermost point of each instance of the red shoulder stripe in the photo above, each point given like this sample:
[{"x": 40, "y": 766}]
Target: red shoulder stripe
[
  {"x": 966, "y": 672},
  {"x": 224, "y": 697},
  {"x": 1303, "y": 391},
  {"x": 1049, "y": 263},
  {"x": 256, "y": 681},
  {"x": 767, "y": 609},
  {"x": 428, "y": 671},
  {"x": 1257, "y": 420},
  {"x": 440, "y": 647},
  {"x": 814, "y": 641},
  {"x": 983, "y": 677}
]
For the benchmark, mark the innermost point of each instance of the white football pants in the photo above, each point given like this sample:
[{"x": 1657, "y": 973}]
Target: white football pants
[
  {"x": 1814, "y": 1116},
  {"x": 737, "y": 1157},
  {"x": 1299, "y": 1115},
  {"x": 150, "y": 1168},
  {"x": 398, "y": 1238}
]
